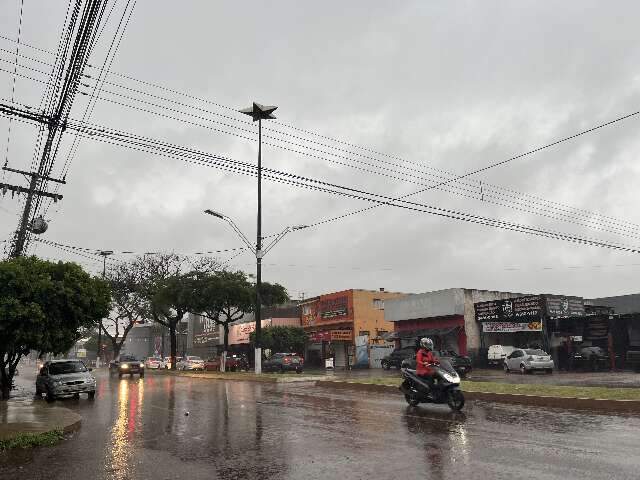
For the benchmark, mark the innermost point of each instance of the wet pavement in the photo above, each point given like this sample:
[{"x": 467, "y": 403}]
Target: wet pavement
[{"x": 167, "y": 427}]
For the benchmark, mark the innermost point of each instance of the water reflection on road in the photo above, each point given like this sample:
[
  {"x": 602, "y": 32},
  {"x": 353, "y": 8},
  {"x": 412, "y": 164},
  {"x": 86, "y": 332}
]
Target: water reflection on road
[{"x": 165, "y": 427}]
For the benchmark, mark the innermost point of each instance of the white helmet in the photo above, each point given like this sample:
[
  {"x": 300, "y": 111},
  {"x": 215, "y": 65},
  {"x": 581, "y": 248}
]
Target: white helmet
[{"x": 426, "y": 343}]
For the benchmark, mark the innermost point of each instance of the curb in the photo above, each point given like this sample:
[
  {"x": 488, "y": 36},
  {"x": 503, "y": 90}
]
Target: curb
[
  {"x": 237, "y": 377},
  {"x": 70, "y": 422},
  {"x": 601, "y": 405}
]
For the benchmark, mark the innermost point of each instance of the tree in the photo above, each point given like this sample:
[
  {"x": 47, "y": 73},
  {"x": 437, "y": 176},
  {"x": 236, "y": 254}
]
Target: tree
[
  {"x": 167, "y": 289},
  {"x": 127, "y": 303},
  {"x": 226, "y": 297},
  {"x": 44, "y": 306},
  {"x": 282, "y": 338}
]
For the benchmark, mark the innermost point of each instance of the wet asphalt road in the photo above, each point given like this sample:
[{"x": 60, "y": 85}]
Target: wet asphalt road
[{"x": 137, "y": 429}]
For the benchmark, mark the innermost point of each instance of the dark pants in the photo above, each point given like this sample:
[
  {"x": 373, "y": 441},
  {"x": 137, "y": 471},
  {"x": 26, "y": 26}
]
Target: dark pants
[{"x": 428, "y": 379}]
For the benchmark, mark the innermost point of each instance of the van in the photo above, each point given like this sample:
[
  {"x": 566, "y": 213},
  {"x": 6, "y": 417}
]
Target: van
[{"x": 497, "y": 354}]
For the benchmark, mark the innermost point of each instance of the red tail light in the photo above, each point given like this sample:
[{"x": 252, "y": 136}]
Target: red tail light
[{"x": 287, "y": 360}]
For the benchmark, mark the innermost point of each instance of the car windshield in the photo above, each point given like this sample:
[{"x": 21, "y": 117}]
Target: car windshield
[
  {"x": 194, "y": 359},
  {"x": 535, "y": 352},
  {"x": 60, "y": 368},
  {"x": 128, "y": 358}
]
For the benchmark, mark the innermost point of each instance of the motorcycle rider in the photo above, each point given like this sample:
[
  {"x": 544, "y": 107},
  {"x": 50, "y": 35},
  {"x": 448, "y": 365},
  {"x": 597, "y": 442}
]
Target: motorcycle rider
[{"x": 424, "y": 359}]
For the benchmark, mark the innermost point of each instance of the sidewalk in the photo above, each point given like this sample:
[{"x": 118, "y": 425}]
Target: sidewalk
[{"x": 21, "y": 414}]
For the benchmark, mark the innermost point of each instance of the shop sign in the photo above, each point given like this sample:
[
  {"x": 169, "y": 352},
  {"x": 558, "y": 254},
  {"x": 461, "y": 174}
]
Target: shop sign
[
  {"x": 559, "y": 306},
  {"x": 241, "y": 332},
  {"x": 508, "y": 327},
  {"x": 331, "y": 308},
  {"x": 205, "y": 331},
  {"x": 317, "y": 337},
  {"x": 515, "y": 310},
  {"x": 341, "y": 335}
]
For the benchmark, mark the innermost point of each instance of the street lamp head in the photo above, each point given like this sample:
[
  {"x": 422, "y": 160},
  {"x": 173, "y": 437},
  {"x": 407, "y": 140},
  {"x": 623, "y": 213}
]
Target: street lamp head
[
  {"x": 299, "y": 227},
  {"x": 215, "y": 214},
  {"x": 259, "y": 112},
  {"x": 104, "y": 253}
]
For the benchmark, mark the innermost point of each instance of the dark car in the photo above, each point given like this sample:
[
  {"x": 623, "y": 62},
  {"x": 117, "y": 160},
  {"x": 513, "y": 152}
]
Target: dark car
[
  {"x": 460, "y": 363},
  {"x": 236, "y": 361},
  {"x": 395, "y": 358},
  {"x": 127, "y": 364},
  {"x": 282, "y": 362},
  {"x": 592, "y": 358}
]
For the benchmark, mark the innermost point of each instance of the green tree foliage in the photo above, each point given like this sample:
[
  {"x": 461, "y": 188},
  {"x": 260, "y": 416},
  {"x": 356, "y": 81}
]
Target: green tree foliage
[
  {"x": 226, "y": 297},
  {"x": 282, "y": 339},
  {"x": 44, "y": 306},
  {"x": 167, "y": 287}
]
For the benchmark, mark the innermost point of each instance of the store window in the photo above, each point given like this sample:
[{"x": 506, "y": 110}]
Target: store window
[{"x": 378, "y": 304}]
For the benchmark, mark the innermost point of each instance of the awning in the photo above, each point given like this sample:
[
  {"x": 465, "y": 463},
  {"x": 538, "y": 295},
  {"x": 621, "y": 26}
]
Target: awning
[{"x": 423, "y": 332}]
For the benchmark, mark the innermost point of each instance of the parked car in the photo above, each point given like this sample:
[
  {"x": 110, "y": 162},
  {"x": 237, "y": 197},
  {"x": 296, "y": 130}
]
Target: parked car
[
  {"x": 282, "y": 362},
  {"x": 497, "y": 354},
  {"x": 166, "y": 362},
  {"x": 395, "y": 358},
  {"x": 237, "y": 361},
  {"x": 212, "y": 364},
  {"x": 67, "y": 377},
  {"x": 593, "y": 358},
  {"x": 127, "y": 364},
  {"x": 190, "y": 362},
  {"x": 528, "y": 360},
  {"x": 153, "y": 362},
  {"x": 460, "y": 363}
]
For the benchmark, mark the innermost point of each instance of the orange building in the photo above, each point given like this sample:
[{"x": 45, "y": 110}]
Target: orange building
[{"x": 347, "y": 326}]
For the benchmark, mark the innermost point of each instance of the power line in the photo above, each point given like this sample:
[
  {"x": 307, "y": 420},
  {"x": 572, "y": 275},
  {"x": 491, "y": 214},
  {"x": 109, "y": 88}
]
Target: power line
[{"x": 498, "y": 192}]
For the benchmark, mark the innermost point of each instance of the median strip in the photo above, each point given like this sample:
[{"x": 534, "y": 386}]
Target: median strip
[{"x": 590, "y": 398}]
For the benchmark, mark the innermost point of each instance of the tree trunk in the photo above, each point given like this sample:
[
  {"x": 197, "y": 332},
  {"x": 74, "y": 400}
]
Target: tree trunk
[
  {"x": 5, "y": 382},
  {"x": 223, "y": 366},
  {"x": 174, "y": 347}
]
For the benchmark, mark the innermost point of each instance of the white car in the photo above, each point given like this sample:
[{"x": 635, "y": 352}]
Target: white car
[
  {"x": 190, "y": 362},
  {"x": 153, "y": 362},
  {"x": 166, "y": 362},
  {"x": 497, "y": 354},
  {"x": 528, "y": 360}
]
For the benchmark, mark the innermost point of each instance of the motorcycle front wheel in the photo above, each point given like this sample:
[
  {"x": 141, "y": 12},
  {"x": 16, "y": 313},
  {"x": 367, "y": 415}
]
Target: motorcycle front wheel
[
  {"x": 411, "y": 400},
  {"x": 455, "y": 400}
]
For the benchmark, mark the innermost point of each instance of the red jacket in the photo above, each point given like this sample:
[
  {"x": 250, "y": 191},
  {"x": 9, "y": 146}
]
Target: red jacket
[{"x": 425, "y": 356}]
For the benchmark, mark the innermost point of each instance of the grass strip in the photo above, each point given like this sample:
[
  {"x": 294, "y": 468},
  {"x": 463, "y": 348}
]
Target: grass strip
[
  {"x": 601, "y": 393},
  {"x": 29, "y": 440}
]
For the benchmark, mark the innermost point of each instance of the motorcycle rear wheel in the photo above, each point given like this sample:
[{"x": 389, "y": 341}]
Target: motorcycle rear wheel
[
  {"x": 411, "y": 400},
  {"x": 455, "y": 400}
]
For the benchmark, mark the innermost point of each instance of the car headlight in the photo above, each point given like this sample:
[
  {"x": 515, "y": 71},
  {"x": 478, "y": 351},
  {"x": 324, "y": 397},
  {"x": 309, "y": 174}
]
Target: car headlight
[
  {"x": 124, "y": 366},
  {"x": 142, "y": 365},
  {"x": 57, "y": 383}
]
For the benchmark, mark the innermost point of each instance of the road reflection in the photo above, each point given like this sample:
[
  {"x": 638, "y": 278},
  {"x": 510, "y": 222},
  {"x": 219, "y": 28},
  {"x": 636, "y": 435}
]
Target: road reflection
[
  {"x": 442, "y": 436},
  {"x": 123, "y": 433}
]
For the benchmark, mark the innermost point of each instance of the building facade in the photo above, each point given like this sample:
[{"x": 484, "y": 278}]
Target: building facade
[
  {"x": 348, "y": 326},
  {"x": 447, "y": 316}
]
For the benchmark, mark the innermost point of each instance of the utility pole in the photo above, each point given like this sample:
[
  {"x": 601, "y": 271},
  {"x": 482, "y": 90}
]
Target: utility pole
[
  {"x": 24, "y": 227},
  {"x": 71, "y": 64},
  {"x": 104, "y": 254}
]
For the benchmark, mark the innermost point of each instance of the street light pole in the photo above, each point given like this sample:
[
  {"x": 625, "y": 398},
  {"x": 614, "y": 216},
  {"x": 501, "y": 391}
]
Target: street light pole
[
  {"x": 258, "y": 309},
  {"x": 104, "y": 254},
  {"x": 258, "y": 113}
]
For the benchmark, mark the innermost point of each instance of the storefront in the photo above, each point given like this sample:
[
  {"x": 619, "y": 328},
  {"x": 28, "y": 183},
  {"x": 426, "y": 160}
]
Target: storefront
[
  {"x": 205, "y": 337},
  {"x": 447, "y": 333},
  {"x": 517, "y": 322}
]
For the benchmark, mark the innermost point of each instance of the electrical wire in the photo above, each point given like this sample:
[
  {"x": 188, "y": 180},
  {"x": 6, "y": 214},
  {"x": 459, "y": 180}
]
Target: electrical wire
[{"x": 501, "y": 191}]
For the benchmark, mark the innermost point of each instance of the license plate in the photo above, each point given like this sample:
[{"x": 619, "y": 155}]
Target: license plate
[{"x": 295, "y": 361}]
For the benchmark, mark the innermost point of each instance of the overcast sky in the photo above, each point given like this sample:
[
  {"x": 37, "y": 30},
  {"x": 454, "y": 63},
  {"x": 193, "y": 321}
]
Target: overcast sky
[{"x": 453, "y": 86}]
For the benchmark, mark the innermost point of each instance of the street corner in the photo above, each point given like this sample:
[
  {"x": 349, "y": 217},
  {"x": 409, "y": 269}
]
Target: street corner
[{"x": 36, "y": 418}]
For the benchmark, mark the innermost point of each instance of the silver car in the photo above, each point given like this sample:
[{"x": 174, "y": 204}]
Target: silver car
[
  {"x": 528, "y": 360},
  {"x": 62, "y": 378}
]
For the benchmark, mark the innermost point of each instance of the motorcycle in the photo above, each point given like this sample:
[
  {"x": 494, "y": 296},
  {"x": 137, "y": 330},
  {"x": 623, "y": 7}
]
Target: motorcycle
[{"x": 446, "y": 386}]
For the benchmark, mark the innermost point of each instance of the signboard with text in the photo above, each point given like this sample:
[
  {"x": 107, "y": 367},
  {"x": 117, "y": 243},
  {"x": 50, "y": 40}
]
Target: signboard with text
[
  {"x": 559, "y": 306},
  {"x": 341, "y": 335},
  {"x": 515, "y": 310},
  {"x": 507, "y": 327},
  {"x": 205, "y": 332},
  {"x": 336, "y": 307}
]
